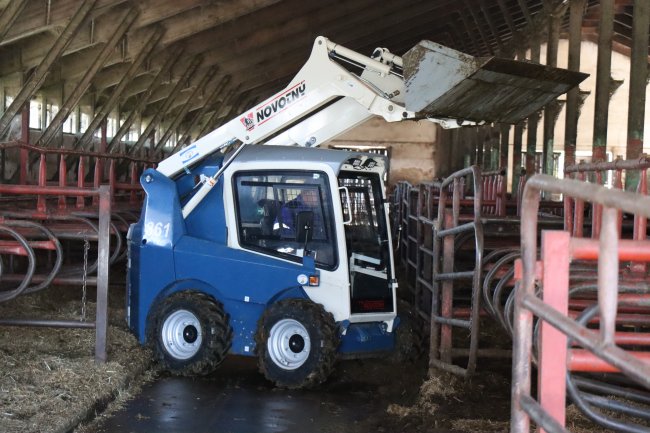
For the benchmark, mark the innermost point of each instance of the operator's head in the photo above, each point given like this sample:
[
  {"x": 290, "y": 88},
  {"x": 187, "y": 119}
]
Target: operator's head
[{"x": 310, "y": 196}]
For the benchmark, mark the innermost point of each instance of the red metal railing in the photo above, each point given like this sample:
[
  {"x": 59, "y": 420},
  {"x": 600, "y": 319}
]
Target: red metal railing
[
  {"x": 17, "y": 241},
  {"x": 49, "y": 226},
  {"x": 568, "y": 342},
  {"x": 597, "y": 172},
  {"x": 127, "y": 192}
]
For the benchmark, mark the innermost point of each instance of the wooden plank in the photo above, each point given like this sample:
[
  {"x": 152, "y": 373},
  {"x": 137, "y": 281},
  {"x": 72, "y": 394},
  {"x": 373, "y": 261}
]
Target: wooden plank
[{"x": 197, "y": 20}]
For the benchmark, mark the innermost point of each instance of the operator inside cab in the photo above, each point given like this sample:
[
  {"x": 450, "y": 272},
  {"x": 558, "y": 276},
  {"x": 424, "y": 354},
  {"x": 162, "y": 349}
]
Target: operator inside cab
[{"x": 307, "y": 200}]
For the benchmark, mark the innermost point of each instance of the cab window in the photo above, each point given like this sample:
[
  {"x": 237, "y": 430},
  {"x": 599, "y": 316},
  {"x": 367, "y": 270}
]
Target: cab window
[{"x": 284, "y": 213}]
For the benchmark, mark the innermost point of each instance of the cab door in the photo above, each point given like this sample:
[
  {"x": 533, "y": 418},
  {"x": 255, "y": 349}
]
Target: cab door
[{"x": 372, "y": 283}]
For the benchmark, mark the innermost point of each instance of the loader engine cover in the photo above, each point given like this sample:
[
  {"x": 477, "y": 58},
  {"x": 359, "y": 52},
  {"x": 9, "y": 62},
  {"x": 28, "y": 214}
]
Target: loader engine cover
[{"x": 442, "y": 82}]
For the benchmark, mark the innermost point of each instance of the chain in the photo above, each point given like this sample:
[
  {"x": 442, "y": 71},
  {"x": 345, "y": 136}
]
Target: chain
[{"x": 85, "y": 275}]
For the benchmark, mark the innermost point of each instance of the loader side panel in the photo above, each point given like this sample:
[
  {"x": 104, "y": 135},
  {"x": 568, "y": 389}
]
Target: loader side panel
[{"x": 151, "y": 240}]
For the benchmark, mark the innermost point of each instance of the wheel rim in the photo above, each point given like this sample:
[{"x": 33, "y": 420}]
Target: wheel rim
[
  {"x": 289, "y": 344},
  {"x": 181, "y": 334}
]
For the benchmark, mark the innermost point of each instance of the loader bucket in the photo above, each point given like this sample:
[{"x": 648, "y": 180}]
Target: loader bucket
[{"x": 442, "y": 82}]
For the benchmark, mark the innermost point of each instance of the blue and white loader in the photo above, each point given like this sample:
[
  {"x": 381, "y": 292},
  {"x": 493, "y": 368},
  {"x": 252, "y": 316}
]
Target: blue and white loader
[{"x": 251, "y": 242}]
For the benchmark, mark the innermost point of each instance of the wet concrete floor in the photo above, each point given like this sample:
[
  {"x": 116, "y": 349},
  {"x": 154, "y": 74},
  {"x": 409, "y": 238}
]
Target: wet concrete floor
[{"x": 237, "y": 399}]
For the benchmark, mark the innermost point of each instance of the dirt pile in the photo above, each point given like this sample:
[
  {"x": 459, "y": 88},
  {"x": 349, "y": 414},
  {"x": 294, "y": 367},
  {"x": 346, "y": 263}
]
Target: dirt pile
[
  {"x": 432, "y": 392},
  {"x": 446, "y": 402}
]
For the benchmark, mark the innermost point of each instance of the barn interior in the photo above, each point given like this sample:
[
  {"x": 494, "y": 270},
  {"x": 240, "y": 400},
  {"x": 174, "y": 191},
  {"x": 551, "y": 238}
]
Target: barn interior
[{"x": 517, "y": 220}]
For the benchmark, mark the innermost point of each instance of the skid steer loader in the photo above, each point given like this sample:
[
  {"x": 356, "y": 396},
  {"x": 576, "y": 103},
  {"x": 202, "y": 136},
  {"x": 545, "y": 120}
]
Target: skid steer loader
[{"x": 252, "y": 242}]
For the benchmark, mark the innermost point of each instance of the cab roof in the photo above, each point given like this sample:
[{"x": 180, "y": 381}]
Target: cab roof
[{"x": 337, "y": 159}]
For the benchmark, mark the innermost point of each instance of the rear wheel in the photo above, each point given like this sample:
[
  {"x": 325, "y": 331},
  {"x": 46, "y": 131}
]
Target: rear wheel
[
  {"x": 189, "y": 333},
  {"x": 296, "y": 343}
]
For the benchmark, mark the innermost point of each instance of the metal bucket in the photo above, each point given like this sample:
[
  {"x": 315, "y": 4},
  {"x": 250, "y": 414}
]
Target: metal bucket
[{"x": 442, "y": 82}]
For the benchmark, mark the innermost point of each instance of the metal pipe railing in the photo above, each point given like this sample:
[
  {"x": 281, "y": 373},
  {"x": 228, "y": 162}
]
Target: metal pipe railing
[
  {"x": 558, "y": 248},
  {"x": 23, "y": 246}
]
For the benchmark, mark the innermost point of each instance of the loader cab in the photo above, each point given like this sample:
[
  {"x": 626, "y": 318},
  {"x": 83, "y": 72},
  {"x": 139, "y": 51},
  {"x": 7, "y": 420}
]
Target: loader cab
[{"x": 329, "y": 205}]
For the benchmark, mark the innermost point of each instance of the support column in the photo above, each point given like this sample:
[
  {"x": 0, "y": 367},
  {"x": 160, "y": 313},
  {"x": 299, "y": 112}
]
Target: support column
[
  {"x": 572, "y": 108},
  {"x": 603, "y": 79},
  {"x": 495, "y": 145},
  {"x": 533, "y": 120},
  {"x": 102, "y": 149},
  {"x": 504, "y": 129},
  {"x": 479, "y": 147},
  {"x": 638, "y": 83},
  {"x": 518, "y": 138},
  {"x": 552, "y": 109},
  {"x": 516, "y": 154},
  {"x": 24, "y": 137}
]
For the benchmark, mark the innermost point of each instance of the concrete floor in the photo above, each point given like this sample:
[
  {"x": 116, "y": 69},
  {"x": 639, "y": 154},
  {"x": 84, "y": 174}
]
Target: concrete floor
[{"x": 237, "y": 399}]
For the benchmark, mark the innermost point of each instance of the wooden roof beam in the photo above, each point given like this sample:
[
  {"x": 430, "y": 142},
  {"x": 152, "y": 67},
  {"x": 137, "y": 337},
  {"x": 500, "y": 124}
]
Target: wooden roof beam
[
  {"x": 475, "y": 44},
  {"x": 9, "y": 15},
  {"x": 507, "y": 16},
  {"x": 225, "y": 36},
  {"x": 352, "y": 35},
  {"x": 102, "y": 113},
  {"x": 196, "y": 20},
  {"x": 34, "y": 82},
  {"x": 172, "y": 57},
  {"x": 157, "y": 11},
  {"x": 479, "y": 26},
  {"x": 34, "y": 49},
  {"x": 178, "y": 117},
  {"x": 191, "y": 69},
  {"x": 525, "y": 11},
  {"x": 493, "y": 28},
  {"x": 37, "y": 15},
  {"x": 291, "y": 53},
  {"x": 208, "y": 102},
  {"x": 64, "y": 111}
]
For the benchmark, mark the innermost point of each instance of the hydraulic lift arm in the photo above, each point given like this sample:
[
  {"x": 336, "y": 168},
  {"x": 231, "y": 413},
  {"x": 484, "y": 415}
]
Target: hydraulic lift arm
[{"x": 322, "y": 101}]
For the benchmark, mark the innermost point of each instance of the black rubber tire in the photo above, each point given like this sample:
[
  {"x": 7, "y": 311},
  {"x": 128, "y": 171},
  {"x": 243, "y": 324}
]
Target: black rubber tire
[
  {"x": 214, "y": 328},
  {"x": 323, "y": 337},
  {"x": 409, "y": 340}
]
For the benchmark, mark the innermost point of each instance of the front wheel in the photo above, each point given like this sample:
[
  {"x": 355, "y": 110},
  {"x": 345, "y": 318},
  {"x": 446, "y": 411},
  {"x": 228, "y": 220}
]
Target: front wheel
[
  {"x": 296, "y": 343},
  {"x": 189, "y": 333}
]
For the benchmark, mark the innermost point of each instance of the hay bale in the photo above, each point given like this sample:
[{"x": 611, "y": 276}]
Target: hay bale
[{"x": 49, "y": 381}]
